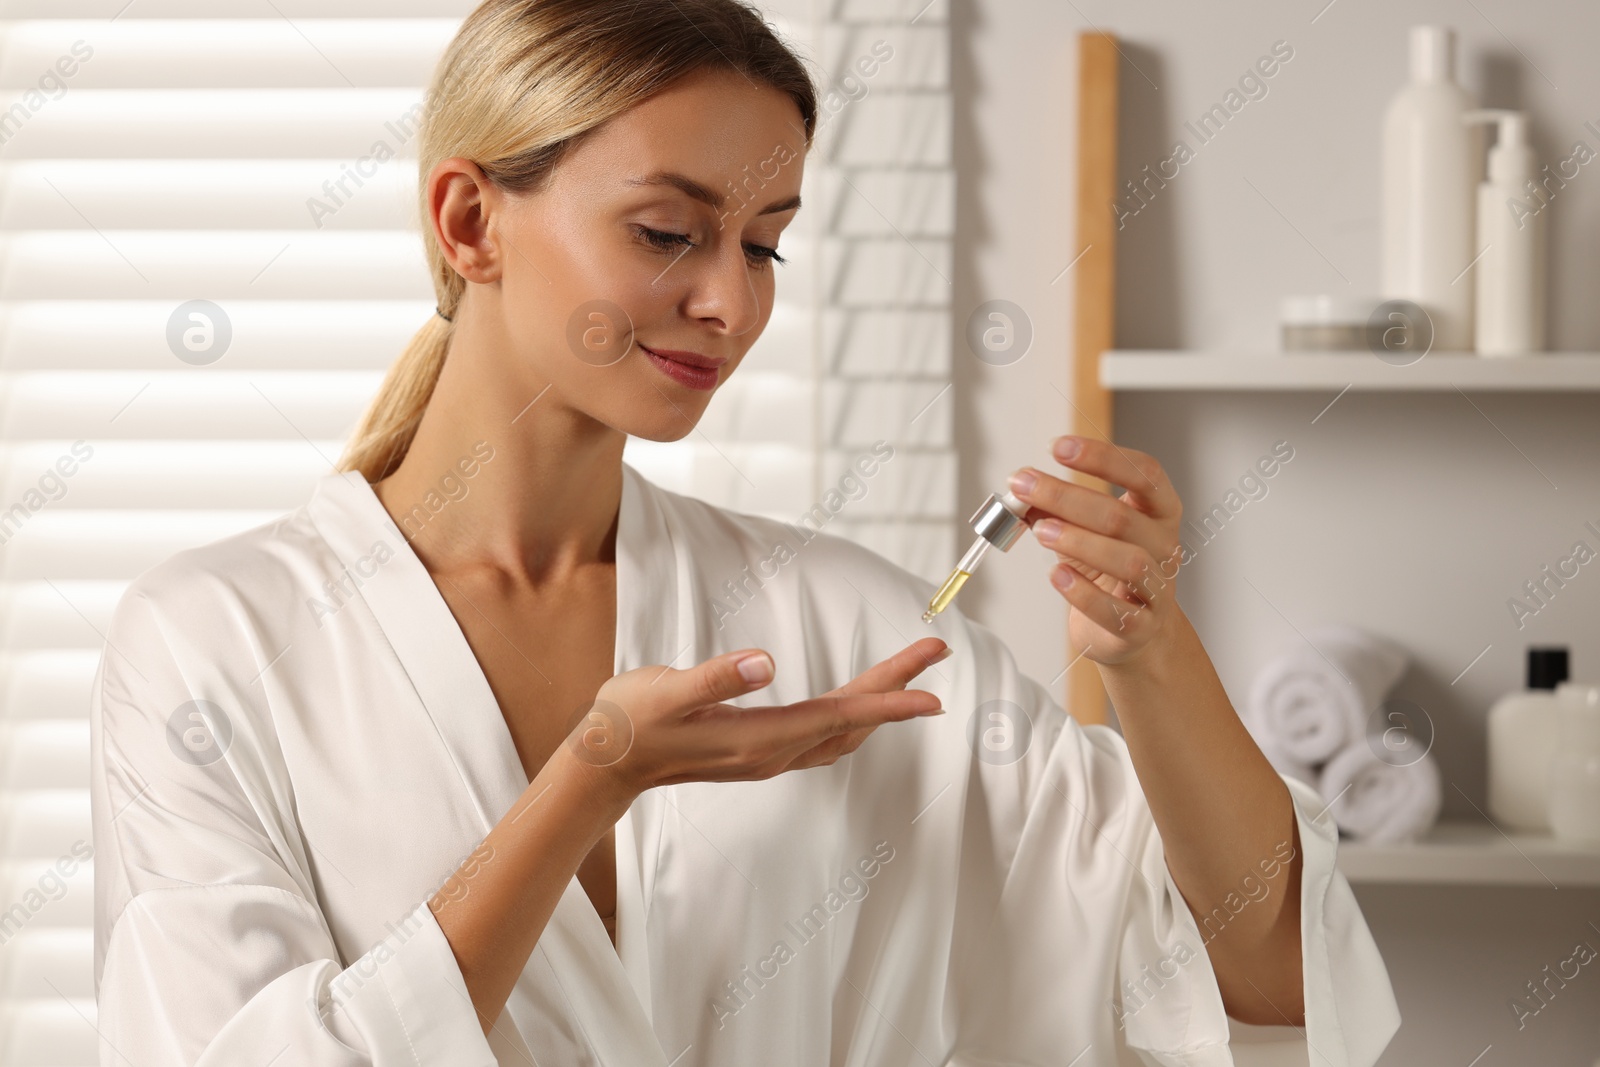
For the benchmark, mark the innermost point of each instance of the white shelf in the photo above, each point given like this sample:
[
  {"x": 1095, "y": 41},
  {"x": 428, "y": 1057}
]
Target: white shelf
[
  {"x": 1170, "y": 370},
  {"x": 1473, "y": 853}
]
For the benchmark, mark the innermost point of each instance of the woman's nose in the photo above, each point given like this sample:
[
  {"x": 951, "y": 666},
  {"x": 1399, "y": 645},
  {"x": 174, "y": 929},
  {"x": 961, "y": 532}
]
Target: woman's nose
[{"x": 726, "y": 291}]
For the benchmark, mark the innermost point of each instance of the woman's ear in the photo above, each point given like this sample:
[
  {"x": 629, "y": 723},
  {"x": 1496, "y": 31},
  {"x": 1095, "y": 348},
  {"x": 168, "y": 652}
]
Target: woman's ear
[{"x": 463, "y": 208}]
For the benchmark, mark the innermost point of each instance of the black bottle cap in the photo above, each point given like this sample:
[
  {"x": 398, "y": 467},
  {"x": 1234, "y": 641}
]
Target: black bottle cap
[{"x": 1547, "y": 667}]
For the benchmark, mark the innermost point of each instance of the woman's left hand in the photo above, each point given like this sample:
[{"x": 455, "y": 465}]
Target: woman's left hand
[{"x": 1117, "y": 556}]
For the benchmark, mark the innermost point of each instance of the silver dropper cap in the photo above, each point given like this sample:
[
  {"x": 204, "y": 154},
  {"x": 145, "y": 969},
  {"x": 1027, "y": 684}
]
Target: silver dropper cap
[{"x": 999, "y": 521}]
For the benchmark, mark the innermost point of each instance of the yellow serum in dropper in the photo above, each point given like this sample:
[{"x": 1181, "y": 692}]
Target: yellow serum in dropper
[
  {"x": 999, "y": 522},
  {"x": 947, "y": 592}
]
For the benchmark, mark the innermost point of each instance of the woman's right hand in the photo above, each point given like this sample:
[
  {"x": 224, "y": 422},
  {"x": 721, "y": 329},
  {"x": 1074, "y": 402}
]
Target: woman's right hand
[{"x": 659, "y": 726}]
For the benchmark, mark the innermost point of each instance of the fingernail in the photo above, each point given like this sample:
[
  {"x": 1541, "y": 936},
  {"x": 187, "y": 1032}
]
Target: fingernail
[
  {"x": 1022, "y": 482},
  {"x": 1048, "y": 529},
  {"x": 1062, "y": 578},
  {"x": 1067, "y": 448},
  {"x": 942, "y": 656},
  {"x": 756, "y": 668}
]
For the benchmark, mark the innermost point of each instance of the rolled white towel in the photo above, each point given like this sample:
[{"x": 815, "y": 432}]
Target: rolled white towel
[
  {"x": 1374, "y": 800},
  {"x": 1314, "y": 700}
]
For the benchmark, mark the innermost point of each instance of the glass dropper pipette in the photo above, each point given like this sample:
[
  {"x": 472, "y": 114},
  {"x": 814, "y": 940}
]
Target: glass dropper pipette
[{"x": 998, "y": 522}]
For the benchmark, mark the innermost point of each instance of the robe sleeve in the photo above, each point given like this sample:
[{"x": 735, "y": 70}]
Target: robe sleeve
[
  {"x": 1059, "y": 846},
  {"x": 210, "y": 948}
]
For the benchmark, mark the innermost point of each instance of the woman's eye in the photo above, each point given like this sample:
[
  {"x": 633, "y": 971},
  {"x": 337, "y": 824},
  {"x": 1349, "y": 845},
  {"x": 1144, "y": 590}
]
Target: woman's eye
[
  {"x": 663, "y": 239},
  {"x": 667, "y": 241},
  {"x": 762, "y": 252}
]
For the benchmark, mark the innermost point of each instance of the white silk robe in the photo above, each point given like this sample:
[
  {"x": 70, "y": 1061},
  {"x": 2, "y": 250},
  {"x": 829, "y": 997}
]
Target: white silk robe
[{"x": 293, "y": 747}]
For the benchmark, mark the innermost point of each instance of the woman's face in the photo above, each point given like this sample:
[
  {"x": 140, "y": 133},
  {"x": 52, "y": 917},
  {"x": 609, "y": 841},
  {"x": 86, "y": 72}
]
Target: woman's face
[{"x": 653, "y": 235}]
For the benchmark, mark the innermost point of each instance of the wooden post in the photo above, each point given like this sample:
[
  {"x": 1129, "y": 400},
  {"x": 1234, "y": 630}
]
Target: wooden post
[{"x": 1094, "y": 294}]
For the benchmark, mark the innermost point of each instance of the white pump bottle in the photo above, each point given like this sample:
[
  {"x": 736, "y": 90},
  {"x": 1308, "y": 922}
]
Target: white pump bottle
[{"x": 1509, "y": 295}]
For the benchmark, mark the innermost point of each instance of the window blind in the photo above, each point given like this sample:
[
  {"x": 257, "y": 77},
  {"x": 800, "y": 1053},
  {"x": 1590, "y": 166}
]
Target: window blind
[{"x": 162, "y": 152}]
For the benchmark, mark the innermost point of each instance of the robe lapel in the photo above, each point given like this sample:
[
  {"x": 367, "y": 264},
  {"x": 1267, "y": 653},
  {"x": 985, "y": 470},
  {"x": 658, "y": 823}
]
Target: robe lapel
[
  {"x": 608, "y": 994},
  {"x": 647, "y": 633}
]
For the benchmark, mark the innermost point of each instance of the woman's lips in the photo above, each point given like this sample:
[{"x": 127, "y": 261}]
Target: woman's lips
[{"x": 693, "y": 377}]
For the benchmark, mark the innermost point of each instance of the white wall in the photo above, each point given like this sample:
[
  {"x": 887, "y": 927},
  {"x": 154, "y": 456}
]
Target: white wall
[{"x": 1415, "y": 516}]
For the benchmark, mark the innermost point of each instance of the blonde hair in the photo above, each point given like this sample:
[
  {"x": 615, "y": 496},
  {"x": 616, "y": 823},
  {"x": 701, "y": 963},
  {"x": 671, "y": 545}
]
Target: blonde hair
[{"x": 520, "y": 84}]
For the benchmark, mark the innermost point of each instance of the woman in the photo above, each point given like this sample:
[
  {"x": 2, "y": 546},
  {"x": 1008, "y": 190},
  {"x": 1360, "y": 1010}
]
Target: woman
[{"x": 374, "y": 783}]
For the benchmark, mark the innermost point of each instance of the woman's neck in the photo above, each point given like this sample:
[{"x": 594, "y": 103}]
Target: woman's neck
[{"x": 544, "y": 503}]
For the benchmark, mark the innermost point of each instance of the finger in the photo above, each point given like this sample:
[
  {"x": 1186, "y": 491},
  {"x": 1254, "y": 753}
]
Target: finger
[
  {"x": 897, "y": 671},
  {"x": 1138, "y": 472},
  {"x": 1089, "y": 552},
  {"x": 791, "y": 729},
  {"x": 831, "y": 750},
  {"x": 1094, "y": 510},
  {"x": 719, "y": 678},
  {"x": 1111, "y": 613},
  {"x": 804, "y": 753},
  {"x": 766, "y": 740}
]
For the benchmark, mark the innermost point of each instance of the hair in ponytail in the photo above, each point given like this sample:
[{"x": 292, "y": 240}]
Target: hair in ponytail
[{"x": 521, "y": 82}]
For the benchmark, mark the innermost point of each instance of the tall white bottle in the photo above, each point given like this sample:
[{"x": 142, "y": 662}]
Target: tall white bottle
[
  {"x": 1509, "y": 294},
  {"x": 1431, "y": 166}
]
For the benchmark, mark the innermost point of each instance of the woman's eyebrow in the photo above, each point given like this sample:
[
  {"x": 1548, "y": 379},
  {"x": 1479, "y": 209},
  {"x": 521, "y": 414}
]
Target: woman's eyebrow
[{"x": 693, "y": 189}]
